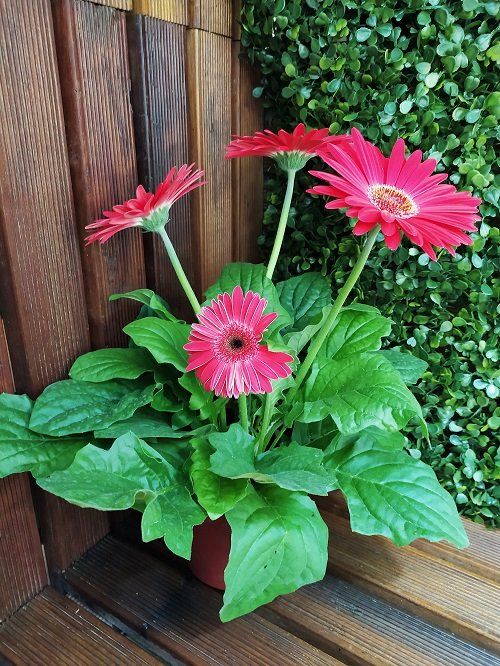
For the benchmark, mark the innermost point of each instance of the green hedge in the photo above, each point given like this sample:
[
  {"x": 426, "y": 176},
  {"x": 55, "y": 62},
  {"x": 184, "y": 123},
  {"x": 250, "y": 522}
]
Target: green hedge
[{"x": 424, "y": 71}]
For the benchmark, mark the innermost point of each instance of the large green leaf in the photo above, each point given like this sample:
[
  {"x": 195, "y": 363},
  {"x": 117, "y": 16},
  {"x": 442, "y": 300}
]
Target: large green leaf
[
  {"x": 278, "y": 543},
  {"x": 292, "y": 467},
  {"x": 163, "y": 339},
  {"x": 148, "y": 298},
  {"x": 144, "y": 423},
  {"x": 201, "y": 400},
  {"x": 172, "y": 516},
  {"x": 358, "y": 328},
  {"x": 22, "y": 450},
  {"x": 304, "y": 297},
  {"x": 358, "y": 391},
  {"x": 72, "y": 406},
  {"x": 390, "y": 493},
  {"x": 297, "y": 340},
  {"x": 105, "y": 364},
  {"x": 251, "y": 277},
  {"x": 411, "y": 368},
  {"x": 113, "y": 479},
  {"x": 216, "y": 494}
]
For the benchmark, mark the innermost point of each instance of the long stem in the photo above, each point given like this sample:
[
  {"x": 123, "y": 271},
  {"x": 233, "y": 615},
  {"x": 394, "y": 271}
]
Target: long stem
[
  {"x": 172, "y": 254},
  {"x": 332, "y": 316},
  {"x": 280, "y": 234},
  {"x": 242, "y": 404}
]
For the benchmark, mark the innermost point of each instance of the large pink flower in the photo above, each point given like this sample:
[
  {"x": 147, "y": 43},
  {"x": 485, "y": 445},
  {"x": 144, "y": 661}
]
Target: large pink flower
[
  {"x": 399, "y": 193},
  {"x": 289, "y": 149},
  {"x": 225, "y": 349},
  {"x": 147, "y": 210}
]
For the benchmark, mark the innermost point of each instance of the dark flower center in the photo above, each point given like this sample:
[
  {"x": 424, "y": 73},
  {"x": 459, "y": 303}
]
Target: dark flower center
[{"x": 235, "y": 343}]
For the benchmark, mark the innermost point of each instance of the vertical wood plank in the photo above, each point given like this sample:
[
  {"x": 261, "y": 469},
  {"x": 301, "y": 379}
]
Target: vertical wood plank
[
  {"x": 214, "y": 16},
  {"x": 117, "y": 4},
  {"x": 175, "y": 11},
  {"x": 22, "y": 567},
  {"x": 42, "y": 292},
  {"x": 209, "y": 115},
  {"x": 247, "y": 173},
  {"x": 157, "y": 58},
  {"x": 95, "y": 83}
]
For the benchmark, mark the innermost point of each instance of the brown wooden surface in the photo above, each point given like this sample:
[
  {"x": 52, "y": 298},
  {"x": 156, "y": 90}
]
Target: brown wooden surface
[
  {"x": 52, "y": 629},
  {"x": 247, "y": 172},
  {"x": 209, "y": 110},
  {"x": 215, "y": 16},
  {"x": 175, "y": 11},
  {"x": 180, "y": 614},
  {"x": 92, "y": 50},
  {"x": 118, "y": 4}
]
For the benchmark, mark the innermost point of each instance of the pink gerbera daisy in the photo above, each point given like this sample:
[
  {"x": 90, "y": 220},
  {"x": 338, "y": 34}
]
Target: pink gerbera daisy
[
  {"x": 399, "y": 193},
  {"x": 225, "y": 349},
  {"x": 290, "y": 150},
  {"x": 147, "y": 210}
]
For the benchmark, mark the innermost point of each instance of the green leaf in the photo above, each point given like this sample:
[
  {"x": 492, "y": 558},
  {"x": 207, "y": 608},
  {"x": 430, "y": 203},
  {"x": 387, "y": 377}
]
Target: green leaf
[
  {"x": 215, "y": 494},
  {"x": 201, "y": 400},
  {"x": 163, "y": 339},
  {"x": 172, "y": 516},
  {"x": 411, "y": 368},
  {"x": 278, "y": 539},
  {"x": 298, "y": 340},
  {"x": 144, "y": 423},
  {"x": 358, "y": 328},
  {"x": 358, "y": 391},
  {"x": 114, "y": 479},
  {"x": 105, "y": 364},
  {"x": 304, "y": 297},
  {"x": 234, "y": 453},
  {"x": 390, "y": 493},
  {"x": 72, "y": 406},
  {"x": 148, "y": 298},
  {"x": 22, "y": 450},
  {"x": 251, "y": 277}
]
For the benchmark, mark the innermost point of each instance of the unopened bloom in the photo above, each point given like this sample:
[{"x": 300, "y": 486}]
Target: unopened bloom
[
  {"x": 147, "y": 210},
  {"x": 225, "y": 348},
  {"x": 400, "y": 193},
  {"x": 290, "y": 150}
]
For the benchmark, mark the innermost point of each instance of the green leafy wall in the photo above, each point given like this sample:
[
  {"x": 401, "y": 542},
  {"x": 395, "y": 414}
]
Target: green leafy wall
[{"x": 426, "y": 71}]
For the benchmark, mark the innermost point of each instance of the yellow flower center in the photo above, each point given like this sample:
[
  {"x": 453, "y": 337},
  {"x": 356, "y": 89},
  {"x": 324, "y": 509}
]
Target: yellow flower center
[{"x": 392, "y": 200}]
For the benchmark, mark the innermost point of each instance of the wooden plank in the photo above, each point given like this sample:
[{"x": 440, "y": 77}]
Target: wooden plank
[
  {"x": 175, "y": 11},
  {"x": 157, "y": 51},
  {"x": 247, "y": 174},
  {"x": 451, "y": 597},
  {"x": 42, "y": 295},
  {"x": 55, "y": 630},
  {"x": 344, "y": 621},
  {"x": 209, "y": 111},
  {"x": 215, "y": 16},
  {"x": 95, "y": 82},
  {"x": 180, "y": 614},
  {"x": 117, "y": 4}
]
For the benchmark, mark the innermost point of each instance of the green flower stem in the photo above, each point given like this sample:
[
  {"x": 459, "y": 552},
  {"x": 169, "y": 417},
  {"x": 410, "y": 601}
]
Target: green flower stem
[
  {"x": 172, "y": 254},
  {"x": 242, "y": 404},
  {"x": 334, "y": 312},
  {"x": 280, "y": 234},
  {"x": 266, "y": 420}
]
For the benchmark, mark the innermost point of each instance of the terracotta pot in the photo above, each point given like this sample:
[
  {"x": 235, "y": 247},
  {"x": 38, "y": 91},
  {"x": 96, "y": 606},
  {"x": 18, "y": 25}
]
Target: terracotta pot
[{"x": 211, "y": 546}]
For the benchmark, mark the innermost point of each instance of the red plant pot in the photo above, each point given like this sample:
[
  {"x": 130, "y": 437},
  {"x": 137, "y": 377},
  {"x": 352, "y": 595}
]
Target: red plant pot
[{"x": 210, "y": 553}]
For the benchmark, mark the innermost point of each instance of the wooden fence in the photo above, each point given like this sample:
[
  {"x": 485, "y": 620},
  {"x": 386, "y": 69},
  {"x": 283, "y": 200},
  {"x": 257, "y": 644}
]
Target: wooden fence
[{"x": 94, "y": 98}]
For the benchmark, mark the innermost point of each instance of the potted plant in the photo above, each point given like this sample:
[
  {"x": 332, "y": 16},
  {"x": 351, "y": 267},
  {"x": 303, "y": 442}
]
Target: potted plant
[{"x": 276, "y": 394}]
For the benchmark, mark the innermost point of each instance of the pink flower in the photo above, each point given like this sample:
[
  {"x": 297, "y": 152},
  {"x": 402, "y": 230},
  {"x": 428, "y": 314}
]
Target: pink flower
[
  {"x": 225, "y": 349},
  {"x": 147, "y": 210},
  {"x": 400, "y": 193},
  {"x": 290, "y": 150}
]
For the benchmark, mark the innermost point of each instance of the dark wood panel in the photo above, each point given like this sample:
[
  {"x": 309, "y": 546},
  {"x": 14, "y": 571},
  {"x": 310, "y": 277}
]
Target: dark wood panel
[
  {"x": 180, "y": 614},
  {"x": 247, "y": 172},
  {"x": 42, "y": 292},
  {"x": 212, "y": 15},
  {"x": 209, "y": 111},
  {"x": 157, "y": 59},
  {"x": 55, "y": 630},
  {"x": 95, "y": 83}
]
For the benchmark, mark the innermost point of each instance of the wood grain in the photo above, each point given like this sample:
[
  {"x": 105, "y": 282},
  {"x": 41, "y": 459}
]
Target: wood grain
[
  {"x": 175, "y": 611},
  {"x": 175, "y": 11},
  {"x": 95, "y": 82},
  {"x": 157, "y": 57},
  {"x": 215, "y": 16},
  {"x": 42, "y": 295},
  {"x": 55, "y": 630},
  {"x": 209, "y": 112},
  {"x": 247, "y": 173},
  {"x": 117, "y": 4}
]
